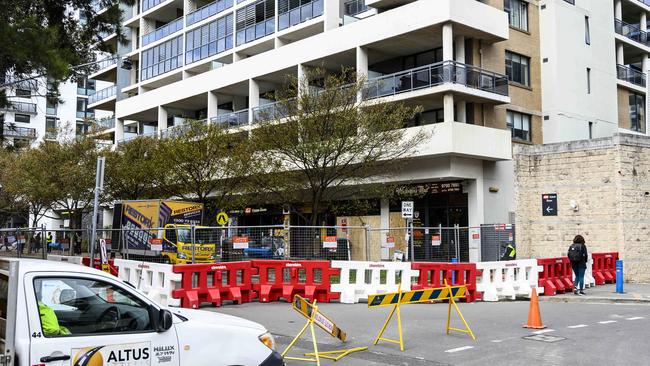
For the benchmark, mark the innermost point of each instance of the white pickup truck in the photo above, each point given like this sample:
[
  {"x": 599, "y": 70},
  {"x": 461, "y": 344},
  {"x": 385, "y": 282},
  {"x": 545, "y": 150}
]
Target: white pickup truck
[{"x": 54, "y": 314}]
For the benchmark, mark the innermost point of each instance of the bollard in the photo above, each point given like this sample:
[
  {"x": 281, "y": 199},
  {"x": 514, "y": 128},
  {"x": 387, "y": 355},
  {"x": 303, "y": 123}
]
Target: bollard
[
  {"x": 619, "y": 276},
  {"x": 453, "y": 274}
]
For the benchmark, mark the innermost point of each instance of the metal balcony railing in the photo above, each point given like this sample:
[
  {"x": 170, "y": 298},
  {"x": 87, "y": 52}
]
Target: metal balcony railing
[
  {"x": 232, "y": 120},
  {"x": 300, "y": 14},
  {"x": 355, "y": 7},
  {"x": 630, "y": 75},
  {"x": 645, "y": 2},
  {"x": 208, "y": 10},
  {"x": 272, "y": 111},
  {"x": 631, "y": 31},
  {"x": 433, "y": 75},
  {"x": 21, "y": 107},
  {"x": 162, "y": 32},
  {"x": 102, "y": 94},
  {"x": 10, "y": 130}
]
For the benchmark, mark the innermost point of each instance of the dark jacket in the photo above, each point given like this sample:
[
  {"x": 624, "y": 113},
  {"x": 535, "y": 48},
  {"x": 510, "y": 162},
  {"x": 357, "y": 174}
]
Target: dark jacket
[{"x": 583, "y": 251}]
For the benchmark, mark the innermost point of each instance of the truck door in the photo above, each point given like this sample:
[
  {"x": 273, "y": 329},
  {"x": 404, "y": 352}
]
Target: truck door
[
  {"x": 8, "y": 299},
  {"x": 87, "y": 320}
]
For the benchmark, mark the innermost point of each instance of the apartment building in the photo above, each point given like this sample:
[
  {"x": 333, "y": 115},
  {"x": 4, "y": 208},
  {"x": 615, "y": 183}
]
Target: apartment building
[
  {"x": 594, "y": 65},
  {"x": 472, "y": 67}
]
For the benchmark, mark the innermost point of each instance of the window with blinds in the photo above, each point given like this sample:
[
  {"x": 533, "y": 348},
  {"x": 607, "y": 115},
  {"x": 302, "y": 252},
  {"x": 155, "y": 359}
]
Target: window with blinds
[
  {"x": 292, "y": 12},
  {"x": 162, "y": 58},
  {"x": 209, "y": 39},
  {"x": 255, "y": 21}
]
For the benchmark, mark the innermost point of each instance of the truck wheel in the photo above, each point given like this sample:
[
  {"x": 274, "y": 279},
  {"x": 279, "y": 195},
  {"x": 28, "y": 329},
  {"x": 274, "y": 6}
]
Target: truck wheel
[{"x": 166, "y": 260}]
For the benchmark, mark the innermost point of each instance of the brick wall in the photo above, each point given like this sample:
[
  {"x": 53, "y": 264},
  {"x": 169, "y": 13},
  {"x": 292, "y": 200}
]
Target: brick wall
[{"x": 608, "y": 178}]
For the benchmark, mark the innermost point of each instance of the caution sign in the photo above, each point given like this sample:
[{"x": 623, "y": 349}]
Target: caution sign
[
  {"x": 156, "y": 244},
  {"x": 304, "y": 307},
  {"x": 417, "y": 296},
  {"x": 222, "y": 218},
  {"x": 329, "y": 242},
  {"x": 240, "y": 242}
]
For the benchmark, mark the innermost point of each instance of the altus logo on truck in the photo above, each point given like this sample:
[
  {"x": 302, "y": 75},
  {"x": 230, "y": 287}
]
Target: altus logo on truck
[{"x": 134, "y": 354}]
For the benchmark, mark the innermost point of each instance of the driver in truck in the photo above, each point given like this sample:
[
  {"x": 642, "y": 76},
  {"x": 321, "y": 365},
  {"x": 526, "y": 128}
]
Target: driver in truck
[{"x": 49, "y": 320}]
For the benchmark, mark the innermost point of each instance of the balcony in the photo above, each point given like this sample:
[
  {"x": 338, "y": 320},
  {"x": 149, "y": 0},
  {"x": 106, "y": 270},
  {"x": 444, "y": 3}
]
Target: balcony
[
  {"x": 630, "y": 75},
  {"x": 272, "y": 111},
  {"x": 300, "y": 14},
  {"x": 106, "y": 70},
  {"x": 177, "y": 131},
  {"x": 162, "y": 32},
  {"x": 10, "y": 130},
  {"x": 446, "y": 72},
  {"x": 148, "y": 4},
  {"x": 21, "y": 107},
  {"x": 103, "y": 96},
  {"x": 232, "y": 120},
  {"x": 207, "y": 11},
  {"x": 106, "y": 123},
  {"x": 85, "y": 114},
  {"x": 631, "y": 31},
  {"x": 355, "y": 7}
]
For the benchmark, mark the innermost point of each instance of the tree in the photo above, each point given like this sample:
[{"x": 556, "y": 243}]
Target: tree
[
  {"x": 10, "y": 203},
  {"x": 206, "y": 163},
  {"x": 329, "y": 144},
  {"x": 134, "y": 170}
]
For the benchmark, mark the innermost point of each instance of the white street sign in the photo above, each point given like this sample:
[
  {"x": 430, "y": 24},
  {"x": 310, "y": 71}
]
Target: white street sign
[{"x": 407, "y": 209}]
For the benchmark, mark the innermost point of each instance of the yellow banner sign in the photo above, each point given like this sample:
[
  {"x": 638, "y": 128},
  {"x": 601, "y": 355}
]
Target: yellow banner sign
[
  {"x": 304, "y": 307},
  {"x": 417, "y": 296}
]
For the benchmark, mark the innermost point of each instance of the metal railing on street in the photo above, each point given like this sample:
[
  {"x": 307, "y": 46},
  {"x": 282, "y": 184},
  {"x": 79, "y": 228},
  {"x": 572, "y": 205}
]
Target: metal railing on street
[{"x": 630, "y": 75}]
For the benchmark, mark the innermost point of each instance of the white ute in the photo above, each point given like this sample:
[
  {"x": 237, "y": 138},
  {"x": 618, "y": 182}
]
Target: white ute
[{"x": 54, "y": 314}]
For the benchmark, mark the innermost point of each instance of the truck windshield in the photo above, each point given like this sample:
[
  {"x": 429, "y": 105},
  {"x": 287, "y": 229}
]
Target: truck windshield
[{"x": 201, "y": 236}]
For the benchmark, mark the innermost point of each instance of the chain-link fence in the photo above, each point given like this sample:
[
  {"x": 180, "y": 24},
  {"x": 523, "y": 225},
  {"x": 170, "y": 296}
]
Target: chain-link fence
[{"x": 182, "y": 244}]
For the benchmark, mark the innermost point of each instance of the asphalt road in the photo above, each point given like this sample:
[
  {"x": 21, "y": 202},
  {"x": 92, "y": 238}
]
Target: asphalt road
[{"x": 591, "y": 334}]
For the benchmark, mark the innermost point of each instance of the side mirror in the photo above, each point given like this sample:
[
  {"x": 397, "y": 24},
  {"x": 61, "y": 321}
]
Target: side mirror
[
  {"x": 165, "y": 320},
  {"x": 67, "y": 295}
]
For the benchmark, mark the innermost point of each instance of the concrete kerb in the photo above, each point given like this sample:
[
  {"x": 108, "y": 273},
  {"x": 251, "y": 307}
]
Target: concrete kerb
[{"x": 606, "y": 294}]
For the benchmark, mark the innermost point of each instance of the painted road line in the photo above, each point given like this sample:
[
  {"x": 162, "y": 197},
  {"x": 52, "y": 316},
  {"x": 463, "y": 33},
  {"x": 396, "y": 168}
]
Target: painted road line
[
  {"x": 607, "y": 322},
  {"x": 577, "y": 326},
  {"x": 544, "y": 331},
  {"x": 497, "y": 341},
  {"x": 636, "y": 318},
  {"x": 453, "y": 350}
]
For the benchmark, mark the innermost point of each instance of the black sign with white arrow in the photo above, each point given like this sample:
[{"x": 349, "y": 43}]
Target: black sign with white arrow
[{"x": 549, "y": 204}]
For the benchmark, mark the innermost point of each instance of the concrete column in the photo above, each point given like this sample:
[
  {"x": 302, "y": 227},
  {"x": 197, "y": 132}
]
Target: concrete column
[
  {"x": 162, "y": 118},
  {"x": 279, "y": 42},
  {"x": 475, "y": 208},
  {"x": 460, "y": 77},
  {"x": 362, "y": 68},
  {"x": 620, "y": 58},
  {"x": 119, "y": 130},
  {"x": 447, "y": 42},
  {"x": 643, "y": 23},
  {"x": 618, "y": 9},
  {"x": 236, "y": 57},
  {"x": 303, "y": 83},
  {"x": 253, "y": 97},
  {"x": 384, "y": 224},
  {"x": 448, "y": 105},
  {"x": 213, "y": 105},
  {"x": 332, "y": 14}
]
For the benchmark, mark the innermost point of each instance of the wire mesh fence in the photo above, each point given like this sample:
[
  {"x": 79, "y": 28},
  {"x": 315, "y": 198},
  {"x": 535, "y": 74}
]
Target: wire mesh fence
[{"x": 183, "y": 244}]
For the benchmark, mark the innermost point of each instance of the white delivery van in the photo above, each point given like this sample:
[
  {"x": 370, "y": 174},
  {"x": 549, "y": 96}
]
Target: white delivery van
[{"x": 54, "y": 314}]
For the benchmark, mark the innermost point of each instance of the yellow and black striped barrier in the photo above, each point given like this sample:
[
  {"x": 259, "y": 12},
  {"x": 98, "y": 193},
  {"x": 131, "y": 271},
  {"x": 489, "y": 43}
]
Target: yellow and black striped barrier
[
  {"x": 395, "y": 299},
  {"x": 310, "y": 311}
]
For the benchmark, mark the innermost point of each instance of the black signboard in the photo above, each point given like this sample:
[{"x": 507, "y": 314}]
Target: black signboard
[{"x": 549, "y": 204}]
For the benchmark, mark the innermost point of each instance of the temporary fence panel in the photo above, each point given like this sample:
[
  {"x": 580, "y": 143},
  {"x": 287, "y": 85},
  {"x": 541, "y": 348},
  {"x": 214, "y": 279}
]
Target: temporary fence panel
[
  {"x": 154, "y": 279},
  {"x": 360, "y": 279},
  {"x": 508, "y": 279},
  {"x": 494, "y": 241}
]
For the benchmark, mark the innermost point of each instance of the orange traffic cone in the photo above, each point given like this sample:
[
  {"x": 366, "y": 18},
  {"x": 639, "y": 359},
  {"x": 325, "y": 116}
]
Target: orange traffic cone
[{"x": 534, "y": 317}]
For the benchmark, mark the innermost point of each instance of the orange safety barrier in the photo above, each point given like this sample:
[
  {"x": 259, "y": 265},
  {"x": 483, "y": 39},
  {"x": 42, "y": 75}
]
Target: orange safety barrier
[
  {"x": 557, "y": 275},
  {"x": 283, "y": 279},
  {"x": 604, "y": 267},
  {"x": 432, "y": 275}
]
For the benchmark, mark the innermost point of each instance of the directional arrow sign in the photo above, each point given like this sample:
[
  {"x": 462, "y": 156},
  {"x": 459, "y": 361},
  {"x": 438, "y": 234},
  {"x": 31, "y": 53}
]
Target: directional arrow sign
[{"x": 549, "y": 204}]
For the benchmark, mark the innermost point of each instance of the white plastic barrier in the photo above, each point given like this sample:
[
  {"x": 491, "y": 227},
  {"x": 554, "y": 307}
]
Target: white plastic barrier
[
  {"x": 360, "y": 279},
  {"x": 64, "y": 258},
  {"x": 590, "y": 281},
  {"x": 156, "y": 280},
  {"x": 508, "y": 279}
]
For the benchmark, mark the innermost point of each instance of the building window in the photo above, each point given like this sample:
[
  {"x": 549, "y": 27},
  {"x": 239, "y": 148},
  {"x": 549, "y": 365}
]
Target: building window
[
  {"x": 591, "y": 130},
  {"x": 637, "y": 112},
  {"x": 208, "y": 40},
  {"x": 22, "y": 118},
  {"x": 23, "y": 93},
  {"x": 50, "y": 105},
  {"x": 518, "y": 68},
  {"x": 255, "y": 21},
  {"x": 162, "y": 58},
  {"x": 587, "y": 32},
  {"x": 519, "y": 124},
  {"x": 572, "y": 2},
  {"x": 517, "y": 13},
  {"x": 292, "y": 12},
  {"x": 588, "y": 81}
]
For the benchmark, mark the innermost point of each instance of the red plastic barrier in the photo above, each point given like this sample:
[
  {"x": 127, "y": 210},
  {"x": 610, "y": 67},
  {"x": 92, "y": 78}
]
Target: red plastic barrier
[
  {"x": 214, "y": 283},
  {"x": 432, "y": 275},
  {"x": 285, "y": 279},
  {"x": 557, "y": 275},
  {"x": 97, "y": 264},
  {"x": 604, "y": 267}
]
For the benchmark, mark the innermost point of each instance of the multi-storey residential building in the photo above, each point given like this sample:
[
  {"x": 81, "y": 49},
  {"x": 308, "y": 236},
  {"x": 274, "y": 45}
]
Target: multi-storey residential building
[
  {"x": 594, "y": 65},
  {"x": 473, "y": 67}
]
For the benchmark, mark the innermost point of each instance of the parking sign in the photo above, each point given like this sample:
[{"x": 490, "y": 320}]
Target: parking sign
[{"x": 407, "y": 209}]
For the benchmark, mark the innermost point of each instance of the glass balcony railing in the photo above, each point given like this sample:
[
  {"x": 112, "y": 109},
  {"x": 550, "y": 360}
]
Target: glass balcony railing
[
  {"x": 631, "y": 31},
  {"x": 106, "y": 123},
  {"x": 9, "y": 130},
  {"x": 207, "y": 11},
  {"x": 106, "y": 63},
  {"x": 21, "y": 107},
  {"x": 645, "y": 2},
  {"x": 355, "y": 7},
  {"x": 630, "y": 75},
  {"x": 232, "y": 120},
  {"x": 102, "y": 94},
  {"x": 148, "y": 4},
  {"x": 51, "y": 111},
  {"x": 255, "y": 31},
  {"x": 433, "y": 75},
  {"x": 176, "y": 131},
  {"x": 162, "y": 32},
  {"x": 273, "y": 111},
  {"x": 300, "y": 14}
]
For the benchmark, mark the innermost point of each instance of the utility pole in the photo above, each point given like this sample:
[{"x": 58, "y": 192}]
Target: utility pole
[{"x": 99, "y": 185}]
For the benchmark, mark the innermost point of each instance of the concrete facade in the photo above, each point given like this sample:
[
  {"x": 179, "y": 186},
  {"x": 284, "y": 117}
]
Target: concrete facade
[{"x": 608, "y": 179}]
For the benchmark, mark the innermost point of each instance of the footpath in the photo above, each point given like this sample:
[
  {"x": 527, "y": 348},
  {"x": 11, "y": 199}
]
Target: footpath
[{"x": 634, "y": 293}]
